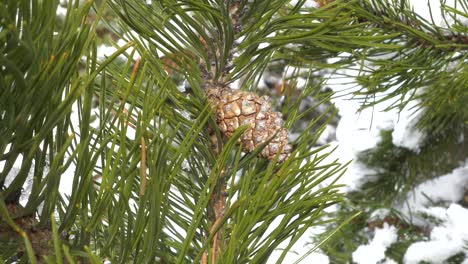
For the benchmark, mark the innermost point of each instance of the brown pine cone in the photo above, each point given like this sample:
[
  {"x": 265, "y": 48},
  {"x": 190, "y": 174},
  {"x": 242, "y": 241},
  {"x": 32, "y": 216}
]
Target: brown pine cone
[{"x": 237, "y": 108}]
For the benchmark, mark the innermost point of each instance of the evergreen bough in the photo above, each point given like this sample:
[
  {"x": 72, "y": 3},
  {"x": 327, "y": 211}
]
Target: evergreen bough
[
  {"x": 147, "y": 185},
  {"x": 155, "y": 180}
]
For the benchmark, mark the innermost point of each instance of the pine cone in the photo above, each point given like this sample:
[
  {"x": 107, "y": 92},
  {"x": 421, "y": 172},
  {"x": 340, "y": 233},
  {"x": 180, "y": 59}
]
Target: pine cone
[{"x": 237, "y": 108}]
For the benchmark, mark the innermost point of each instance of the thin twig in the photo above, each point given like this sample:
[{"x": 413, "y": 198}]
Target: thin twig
[{"x": 143, "y": 167}]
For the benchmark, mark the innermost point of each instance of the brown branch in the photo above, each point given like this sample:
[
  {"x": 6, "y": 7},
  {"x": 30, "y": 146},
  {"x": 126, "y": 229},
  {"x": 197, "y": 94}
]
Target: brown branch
[{"x": 217, "y": 205}]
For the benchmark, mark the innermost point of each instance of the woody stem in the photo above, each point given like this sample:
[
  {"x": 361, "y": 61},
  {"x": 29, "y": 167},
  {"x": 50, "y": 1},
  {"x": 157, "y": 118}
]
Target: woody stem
[
  {"x": 218, "y": 198},
  {"x": 218, "y": 203}
]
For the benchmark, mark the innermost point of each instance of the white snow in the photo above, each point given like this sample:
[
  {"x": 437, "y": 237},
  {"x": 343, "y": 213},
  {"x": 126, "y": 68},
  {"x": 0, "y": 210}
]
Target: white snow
[
  {"x": 61, "y": 11},
  {"x": 360, "y": 129},
  {"x": 105, "y": 51},
  {"x": 446, "y": 240},
  {"x": 300, "y": 248},
  {"x": 380, "y": 213},
  {"x": 293, "y": 256},
  {"x": 28, "y": 184},
  {"x": 328, "y": 133},
  {"x": 425, "y": 8},
  {"x": 389, "y": 261},
  {"x": 375, "y": 251},
  {"x": 449, "y": 188},
  {"x": 307, "y": 4},
  {"x": 405, "y": 134}
]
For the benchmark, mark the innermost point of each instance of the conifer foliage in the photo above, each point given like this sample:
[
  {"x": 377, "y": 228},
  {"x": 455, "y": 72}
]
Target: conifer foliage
[
  {"x": 171, "y": 150},
  {"x": 154, "y": 178},
  {"x": 426, "y": 76}
]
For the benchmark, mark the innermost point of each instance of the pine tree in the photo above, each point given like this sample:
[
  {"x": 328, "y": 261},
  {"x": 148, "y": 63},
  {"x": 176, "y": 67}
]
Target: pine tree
[
  {"x": 155, "y": 177},
  {"x": 170, "y": 159}
]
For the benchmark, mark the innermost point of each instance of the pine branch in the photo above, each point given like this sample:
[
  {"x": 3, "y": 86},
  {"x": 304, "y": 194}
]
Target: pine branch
[
  {"x": 147, "y": 185},
  {"x": 46, "y": 70},
  {"x": 425, "y": 68},
  {"x": 198, "y": 189}
]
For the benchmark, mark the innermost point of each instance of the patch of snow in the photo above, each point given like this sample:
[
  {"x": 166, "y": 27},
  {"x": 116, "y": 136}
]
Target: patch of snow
[
  {"x": 360, "y": 129},
  {"x": 328, "y": 133},
  {"x": 449, "y": 188},
  {"x": 61, "y": 11},
  {"x": 375, "y": 251},
  {"x": 300, "y": 248},
  {"x": 28, "y": 184},
  {"x": 291, "y": 257},
  {"x": 405, "y": 134},
  {"x": 66, "y": 180},
  {"x": 301, "y": 83},
  {"x": 307, "y": 4},
  {"x": 380, "y": 213},
  {"x": 440, "y": 17},
  {"x": 447, "y": 239},
  {"x": 105, "y": 51},
  {"x": 389, "y": 261},
  {"x": 293, "y": 71},
  {"x": 263, "y": 45},
  {"x": 235, "y": 85}
]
